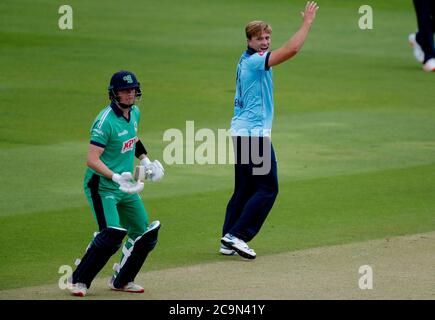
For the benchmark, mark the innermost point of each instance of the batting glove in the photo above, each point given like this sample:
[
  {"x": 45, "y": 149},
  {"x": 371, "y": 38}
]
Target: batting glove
[
  {"x": 126, "y": 184},
  {"x": 153, "y": 170}
]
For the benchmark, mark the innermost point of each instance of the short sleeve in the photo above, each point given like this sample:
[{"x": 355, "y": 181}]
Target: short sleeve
[
  {"x": 100, "y": 133},
  {"x": 259, "y": 61}
]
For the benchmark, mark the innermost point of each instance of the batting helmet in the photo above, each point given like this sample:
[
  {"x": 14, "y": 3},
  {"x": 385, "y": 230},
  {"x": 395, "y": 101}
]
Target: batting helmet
[{"x": 122, "y": 80}]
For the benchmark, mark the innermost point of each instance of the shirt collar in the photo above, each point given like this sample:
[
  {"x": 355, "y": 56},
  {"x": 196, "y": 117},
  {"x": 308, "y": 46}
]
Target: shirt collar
[
  {"x": 118, "y": 111},
  {"x": 250, "y": 51}
]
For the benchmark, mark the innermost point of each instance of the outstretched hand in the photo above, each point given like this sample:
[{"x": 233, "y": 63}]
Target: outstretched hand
[{"x": 309, "y": 14}]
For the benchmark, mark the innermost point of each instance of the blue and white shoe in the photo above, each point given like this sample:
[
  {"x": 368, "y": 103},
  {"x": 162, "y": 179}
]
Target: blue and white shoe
[
  {"x": 129, "y": 287},
  {"x": 78, "y": 289},
  {"x": 416, "y": 49},
  {"x": 429, "y": 66},
  {"x": 239, "y": 246},
  {"x": 227, "y": 251}
]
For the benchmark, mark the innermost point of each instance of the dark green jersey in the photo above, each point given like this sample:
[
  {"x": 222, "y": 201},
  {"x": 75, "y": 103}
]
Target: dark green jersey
[{"x": 118, "y": 137}]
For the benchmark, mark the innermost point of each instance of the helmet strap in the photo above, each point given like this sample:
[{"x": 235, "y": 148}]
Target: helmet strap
[
  {"x": 124, "y": 106},
  {"x": 121, "y": 105},
  {"x": 114, "y": 99}
]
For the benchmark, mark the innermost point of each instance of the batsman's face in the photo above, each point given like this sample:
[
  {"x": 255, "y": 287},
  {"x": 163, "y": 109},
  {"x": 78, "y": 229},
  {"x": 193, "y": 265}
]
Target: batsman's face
[
  {"x": 127, "y": 96},
  {"x": 261, "y": 42}
]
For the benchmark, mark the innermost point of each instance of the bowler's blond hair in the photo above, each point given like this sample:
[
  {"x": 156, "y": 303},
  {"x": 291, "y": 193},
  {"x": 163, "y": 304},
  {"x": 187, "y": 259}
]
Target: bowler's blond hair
[{"x": 255, "y": 28}]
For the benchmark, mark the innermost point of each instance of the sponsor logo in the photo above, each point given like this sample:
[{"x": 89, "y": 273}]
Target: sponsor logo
[
  {"x": 135, "y": 126},
  {"x": 98, "y": 132},
  {"x": 123, "y": 133},
  {"x": 128, "y": 145}
]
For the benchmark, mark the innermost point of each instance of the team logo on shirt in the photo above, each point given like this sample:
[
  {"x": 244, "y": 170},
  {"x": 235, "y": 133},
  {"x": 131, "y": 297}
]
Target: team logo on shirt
[
  {"x": 97, "y": 132},
  {"x": 128, "y": 79},
  {"x": 129, "y": 144},
  {"x": 123, "y": 133}
]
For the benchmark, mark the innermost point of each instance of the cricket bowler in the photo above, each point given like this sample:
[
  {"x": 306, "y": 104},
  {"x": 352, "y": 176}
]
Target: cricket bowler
[{"x": 255, "y": 190}]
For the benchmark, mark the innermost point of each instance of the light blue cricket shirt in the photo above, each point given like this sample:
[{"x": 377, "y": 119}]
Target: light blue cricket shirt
[{"x": 253, "y": 102}]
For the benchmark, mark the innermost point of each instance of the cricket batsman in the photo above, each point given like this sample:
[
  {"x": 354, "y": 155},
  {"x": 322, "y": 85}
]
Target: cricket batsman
[
  {"x": 113, "y": 194},
  {"x": 255, "y": 190}
]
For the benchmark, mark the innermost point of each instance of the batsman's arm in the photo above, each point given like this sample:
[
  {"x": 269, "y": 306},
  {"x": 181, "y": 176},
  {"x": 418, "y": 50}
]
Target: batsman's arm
[
  {"x": 94, "y": 162},
  {"x": 295, "y": 43},
  {"x": 140, "y": 151},
  {"x": 142, "y": 154}
]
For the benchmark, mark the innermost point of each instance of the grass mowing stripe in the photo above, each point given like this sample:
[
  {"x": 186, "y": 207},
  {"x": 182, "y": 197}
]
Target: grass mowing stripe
[
  {"x": 316, "y": 144},
  {"x": 307, "y": 214}
]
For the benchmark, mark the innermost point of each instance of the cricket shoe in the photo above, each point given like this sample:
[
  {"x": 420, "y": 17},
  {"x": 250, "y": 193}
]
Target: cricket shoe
[
  {"x": 78, "y": 289},
  {"x": 429, "y": 66},
  {"x": 239, "y": 246},
  {"x": 129, "y": 287},
  {"x": 417, "y": 50},
  {"x": 227, "y": 251}
]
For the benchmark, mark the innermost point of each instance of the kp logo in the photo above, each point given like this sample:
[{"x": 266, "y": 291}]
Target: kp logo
[
  {"x": 128, "y": 79},
  {"x": 128, "y": 145}
]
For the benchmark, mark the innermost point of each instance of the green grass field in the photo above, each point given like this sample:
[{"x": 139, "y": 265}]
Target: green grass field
[{"x": 354, "y": 126}]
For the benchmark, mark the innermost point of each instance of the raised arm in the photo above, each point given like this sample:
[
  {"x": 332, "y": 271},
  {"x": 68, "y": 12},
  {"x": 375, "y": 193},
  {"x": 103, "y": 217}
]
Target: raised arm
[{"x": 295, "y": 43}]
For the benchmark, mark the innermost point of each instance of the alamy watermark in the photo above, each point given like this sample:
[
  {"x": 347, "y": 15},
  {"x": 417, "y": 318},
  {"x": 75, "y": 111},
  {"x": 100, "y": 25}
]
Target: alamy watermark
[
  {"x": 64, "y": 280},
  {"x": 204, "y": 146},
  {"x": 365, "y": 22},
  {"x": 65, "y": 22},
  {"x": 366, "y": 280}
]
